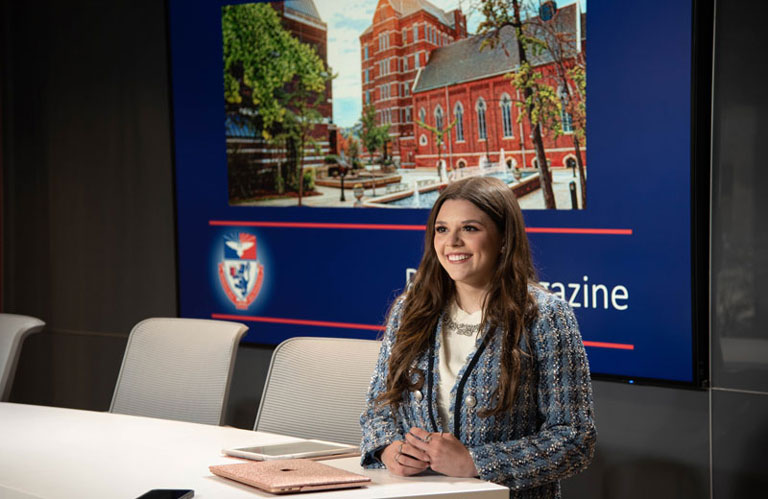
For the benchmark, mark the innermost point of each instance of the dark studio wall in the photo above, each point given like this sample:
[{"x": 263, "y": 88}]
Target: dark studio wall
[{"x": 88, "y": 242}]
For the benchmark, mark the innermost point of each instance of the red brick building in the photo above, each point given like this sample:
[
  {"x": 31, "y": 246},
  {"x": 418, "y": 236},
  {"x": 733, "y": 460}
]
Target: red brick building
[
  {"x": 393, "y": 50},
  {"x": 467, "y": 84}
]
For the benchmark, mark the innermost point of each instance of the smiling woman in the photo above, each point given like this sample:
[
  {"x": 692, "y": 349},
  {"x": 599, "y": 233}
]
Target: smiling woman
[
  {"x": 467, "y": 245},
  {"x": 482, "y": 372}
]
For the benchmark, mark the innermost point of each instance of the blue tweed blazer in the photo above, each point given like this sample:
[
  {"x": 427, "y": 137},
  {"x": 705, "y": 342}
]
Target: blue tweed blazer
[{"x": 549, "y": 434}]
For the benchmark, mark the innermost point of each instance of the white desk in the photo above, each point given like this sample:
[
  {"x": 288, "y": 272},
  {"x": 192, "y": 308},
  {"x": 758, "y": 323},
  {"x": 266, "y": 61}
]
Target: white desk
[{"x": 50, "y": 452}]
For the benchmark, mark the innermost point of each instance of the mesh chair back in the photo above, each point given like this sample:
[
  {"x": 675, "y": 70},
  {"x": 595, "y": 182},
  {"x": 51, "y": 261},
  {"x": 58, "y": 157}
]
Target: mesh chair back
[
  {"x": 316, "y": 388},
  {"x": 178, "y": 369},
  {"x": 13, "y": 330}
]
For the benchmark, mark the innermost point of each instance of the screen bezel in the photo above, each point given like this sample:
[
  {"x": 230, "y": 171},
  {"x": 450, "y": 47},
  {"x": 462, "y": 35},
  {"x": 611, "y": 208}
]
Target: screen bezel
[{"x": 702, "y": 48}]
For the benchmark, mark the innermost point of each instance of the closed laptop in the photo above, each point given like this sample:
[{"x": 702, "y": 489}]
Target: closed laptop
[{"x": 284, "y": 476}]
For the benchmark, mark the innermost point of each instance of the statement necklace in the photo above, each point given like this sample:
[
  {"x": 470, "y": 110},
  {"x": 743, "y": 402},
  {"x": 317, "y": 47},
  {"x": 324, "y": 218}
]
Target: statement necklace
[{"x": 458, "y": 328}]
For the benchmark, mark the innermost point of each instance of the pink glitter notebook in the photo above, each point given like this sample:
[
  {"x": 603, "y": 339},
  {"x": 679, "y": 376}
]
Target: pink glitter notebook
[{"x": 284, "y": 476}]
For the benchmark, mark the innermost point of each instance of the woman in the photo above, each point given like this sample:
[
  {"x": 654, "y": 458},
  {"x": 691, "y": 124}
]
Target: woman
[{"x": 481, "y": 371}]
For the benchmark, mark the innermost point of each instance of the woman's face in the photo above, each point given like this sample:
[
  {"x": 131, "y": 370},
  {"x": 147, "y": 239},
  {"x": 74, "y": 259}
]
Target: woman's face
[{"x": 467, "y": 242}]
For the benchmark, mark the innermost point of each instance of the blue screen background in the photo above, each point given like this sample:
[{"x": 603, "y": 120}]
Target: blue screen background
[{"x": 639, "y": 167}]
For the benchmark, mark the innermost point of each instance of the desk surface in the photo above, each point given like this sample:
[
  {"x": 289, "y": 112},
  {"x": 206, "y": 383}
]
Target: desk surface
[{"x": 51, "y": 452}]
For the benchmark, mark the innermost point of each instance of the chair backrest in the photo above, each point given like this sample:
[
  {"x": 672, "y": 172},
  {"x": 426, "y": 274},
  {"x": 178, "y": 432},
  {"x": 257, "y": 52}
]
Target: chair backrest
[
  {"x": 13, "y": 330},
  {"x": 178, "y": 369},
  {"x": 316, "y": 388}
]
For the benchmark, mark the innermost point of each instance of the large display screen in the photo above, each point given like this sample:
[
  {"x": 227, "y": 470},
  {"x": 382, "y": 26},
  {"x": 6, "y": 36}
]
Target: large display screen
[{"x": 311, "y": 138}]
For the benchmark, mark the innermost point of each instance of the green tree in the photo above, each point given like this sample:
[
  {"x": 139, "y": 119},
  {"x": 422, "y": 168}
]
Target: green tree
[
  {"x": 295, "y": 130},
  {"x": 353, "y": 151},
  {"x": 260, "y": 58},
  {"x": 500, "y": 14},
  {"x": 274, "y": 80},
  {"x": 374, "y": 137}
]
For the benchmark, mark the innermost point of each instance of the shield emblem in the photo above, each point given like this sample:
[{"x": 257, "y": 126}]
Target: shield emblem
[{"x": 240, "y": 272}]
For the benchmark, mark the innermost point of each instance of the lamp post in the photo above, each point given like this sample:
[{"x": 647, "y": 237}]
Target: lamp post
[
  {"x": 343, "y": 169},
  {"x": 342, "y": 174}
]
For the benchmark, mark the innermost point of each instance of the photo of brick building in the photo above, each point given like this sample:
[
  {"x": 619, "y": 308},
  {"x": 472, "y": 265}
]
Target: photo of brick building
[
  {"x": 420, "y": 65},
  {"x": 469, "y": 84},
  {"x": 432, "y": 94},
  {"x": 393, "y": 50}
]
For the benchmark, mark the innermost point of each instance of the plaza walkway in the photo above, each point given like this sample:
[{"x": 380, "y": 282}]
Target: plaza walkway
[{"x": 329, "y": 197}]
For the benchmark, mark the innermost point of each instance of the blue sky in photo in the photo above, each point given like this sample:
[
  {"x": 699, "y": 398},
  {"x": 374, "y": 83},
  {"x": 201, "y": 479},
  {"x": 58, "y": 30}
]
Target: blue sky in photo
[{"x": 346, "y": 20}]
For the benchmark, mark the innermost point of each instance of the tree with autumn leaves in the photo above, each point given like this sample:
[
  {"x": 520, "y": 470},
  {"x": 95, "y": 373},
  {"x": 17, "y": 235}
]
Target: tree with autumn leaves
[
  {"x": 570, "y": 77},
  {"x": 543, "y": 104}
]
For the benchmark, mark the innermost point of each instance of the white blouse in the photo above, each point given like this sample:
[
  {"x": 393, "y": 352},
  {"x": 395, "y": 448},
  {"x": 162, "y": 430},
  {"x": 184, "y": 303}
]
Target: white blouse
[{"x": 456, "y": 345}]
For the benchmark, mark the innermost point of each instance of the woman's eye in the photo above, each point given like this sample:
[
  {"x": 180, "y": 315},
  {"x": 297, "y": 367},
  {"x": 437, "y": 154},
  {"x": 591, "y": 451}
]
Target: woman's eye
[
  {"x": 470, "y": 228},
  {"x": 440, "y": 229}
]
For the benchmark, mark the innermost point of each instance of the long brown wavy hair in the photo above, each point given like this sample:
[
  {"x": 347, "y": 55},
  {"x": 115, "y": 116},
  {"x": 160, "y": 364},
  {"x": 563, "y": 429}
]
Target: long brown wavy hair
[{"x": 509, "y": 307}]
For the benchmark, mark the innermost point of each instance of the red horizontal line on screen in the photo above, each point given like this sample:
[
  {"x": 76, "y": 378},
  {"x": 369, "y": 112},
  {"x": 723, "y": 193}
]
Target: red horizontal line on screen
[
  {"x": 574, "y": 230},
  {"x": 317, "y": 225},
  {"x": 299, "y": 322},
  {"x": 368, "y": 327},
  {"x": 602, "y": 344},
  {"x": 323, "y": 225}
]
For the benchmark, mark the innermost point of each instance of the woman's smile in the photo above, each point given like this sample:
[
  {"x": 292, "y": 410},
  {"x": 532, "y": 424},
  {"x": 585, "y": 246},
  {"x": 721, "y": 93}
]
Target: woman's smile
[{"x": 458, "y": 257}]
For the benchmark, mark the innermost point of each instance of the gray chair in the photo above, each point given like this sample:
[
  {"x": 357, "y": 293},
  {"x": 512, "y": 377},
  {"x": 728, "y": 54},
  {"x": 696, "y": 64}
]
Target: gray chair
[
  {"x": 178, "y": 369},
  {"x": 316, "y": 388},
  {"x": 13, "y": 330}
]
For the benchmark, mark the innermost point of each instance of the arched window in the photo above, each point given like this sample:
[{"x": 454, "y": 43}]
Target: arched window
[
  {"x": 481, "y": 129},
  {"x": 439, "y": 117},
  {"x": 458, "y": 113},
  {"x": 422, "y": 115},
  {"x": 565, "y": 117},
  {"x": 506, "y": 115}
]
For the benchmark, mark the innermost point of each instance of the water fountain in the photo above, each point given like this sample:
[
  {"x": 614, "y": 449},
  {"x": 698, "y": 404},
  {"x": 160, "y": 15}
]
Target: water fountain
[{"x": 483, "y": 163}]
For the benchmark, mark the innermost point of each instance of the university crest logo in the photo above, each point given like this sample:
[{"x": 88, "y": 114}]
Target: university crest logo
[{"x": 240, "y": 272}]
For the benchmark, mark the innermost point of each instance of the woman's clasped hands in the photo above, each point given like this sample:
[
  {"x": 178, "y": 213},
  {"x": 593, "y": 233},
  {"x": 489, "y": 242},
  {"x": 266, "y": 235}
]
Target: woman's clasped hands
[{"x": 421, "y": 449}]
